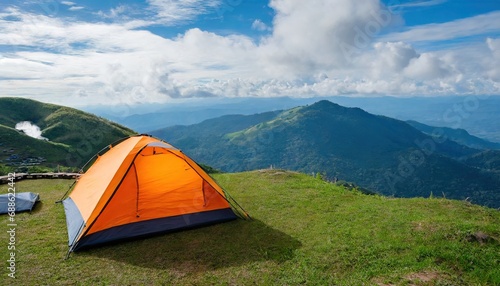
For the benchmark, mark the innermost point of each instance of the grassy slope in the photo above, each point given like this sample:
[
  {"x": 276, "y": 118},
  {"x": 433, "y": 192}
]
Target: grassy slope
[
  {"x": 305, "y": 231},
  {"x": 11, "y": 138},
  {"x": 69, "y": 130}
]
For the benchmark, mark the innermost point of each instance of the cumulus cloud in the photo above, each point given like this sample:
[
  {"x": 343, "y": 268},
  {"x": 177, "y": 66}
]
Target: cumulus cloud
[
  {"x": 305, "y": 54},
  {"x": 391, "y": 58},
  {"x": 332, "y": 41},
  {"x": 30, "y": 129},
  {"x": 426, "y": 67},
  {"x": 401, "y": 60}
]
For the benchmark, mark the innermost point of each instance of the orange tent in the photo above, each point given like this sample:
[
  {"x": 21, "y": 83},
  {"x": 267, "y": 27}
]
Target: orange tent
[{"x": 139, "y": 187}]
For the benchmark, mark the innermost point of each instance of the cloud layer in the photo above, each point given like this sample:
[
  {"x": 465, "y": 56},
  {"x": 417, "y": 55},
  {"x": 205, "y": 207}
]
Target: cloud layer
[
  {"x": 30, "y": 129},
  {"x": 304, "y": 53}
]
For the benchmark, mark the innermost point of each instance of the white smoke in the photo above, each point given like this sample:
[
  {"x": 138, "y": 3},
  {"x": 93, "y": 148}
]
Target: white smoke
[{"x": 30, "y": 129}]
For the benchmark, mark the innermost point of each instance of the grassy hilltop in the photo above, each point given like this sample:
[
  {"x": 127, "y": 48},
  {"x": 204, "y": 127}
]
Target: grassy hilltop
[{"x": 305, "y": 232}]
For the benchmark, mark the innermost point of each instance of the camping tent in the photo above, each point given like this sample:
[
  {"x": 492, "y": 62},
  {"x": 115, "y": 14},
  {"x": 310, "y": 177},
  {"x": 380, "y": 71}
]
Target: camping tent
[
  {"x": 139, "y": 187},
  {"x": 22, "y": 202}
]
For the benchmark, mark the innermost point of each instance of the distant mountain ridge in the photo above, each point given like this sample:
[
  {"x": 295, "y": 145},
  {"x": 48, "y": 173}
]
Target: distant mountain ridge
[
  {"x": 460, "y": 136},
  {"x": 478, "y": 114},
  {"x": 376, "y": 152},
  {"x": 74, "y": 136}
]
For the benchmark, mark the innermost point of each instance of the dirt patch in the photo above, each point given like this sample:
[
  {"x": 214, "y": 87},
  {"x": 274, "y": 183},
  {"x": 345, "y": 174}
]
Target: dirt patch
[
  {"x": 415, "y": 279},
  {"x": 274, "y": 171},
  {"x": 425, "y": 276},
  {"x": 377, "y": 282},
  {"x": 277, "y": 172},
  {"x": 480, "y": 237},
  {"x": 422, "y": 226}
]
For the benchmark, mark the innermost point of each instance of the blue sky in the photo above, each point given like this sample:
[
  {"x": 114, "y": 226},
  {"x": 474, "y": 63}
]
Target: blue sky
[{"x": 81, "y": 53}]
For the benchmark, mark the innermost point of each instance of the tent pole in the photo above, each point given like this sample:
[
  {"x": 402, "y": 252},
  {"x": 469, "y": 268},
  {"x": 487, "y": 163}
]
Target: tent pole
[
  {"x": 67, "y": 254},
  {"x": 239, "y": 208},
  {"x": 71, "y": 186}
]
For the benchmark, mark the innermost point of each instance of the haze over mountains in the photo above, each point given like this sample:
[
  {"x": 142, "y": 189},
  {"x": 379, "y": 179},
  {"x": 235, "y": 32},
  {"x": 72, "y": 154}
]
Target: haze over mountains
[
  {"x": 458, "y": 135},
  {"x": 376, "y": 152},
  {"x": 477, "y": 114}
]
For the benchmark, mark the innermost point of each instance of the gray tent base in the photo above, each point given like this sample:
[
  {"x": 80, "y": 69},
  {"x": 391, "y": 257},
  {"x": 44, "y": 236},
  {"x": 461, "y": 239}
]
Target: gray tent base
[{"x": 18, "y": 202}]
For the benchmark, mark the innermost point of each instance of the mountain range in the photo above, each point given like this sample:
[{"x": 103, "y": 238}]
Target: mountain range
[
  {"x": 476, "y": 114},
  {"x": 458, "y": 135},
  {"x": 378, "y": 153}
]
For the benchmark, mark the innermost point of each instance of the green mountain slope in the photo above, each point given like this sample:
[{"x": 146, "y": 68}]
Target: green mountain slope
[
  {"x": 379, "y": 153},
  {"x": 23, "y": 145},
  {"x": 305, "y": 232},
  {"x": 460, "y": 136},
  {"x": 212, "y": 130},
  {"x": 74, "y": 136},
  {"x": 488, "y": 160}
]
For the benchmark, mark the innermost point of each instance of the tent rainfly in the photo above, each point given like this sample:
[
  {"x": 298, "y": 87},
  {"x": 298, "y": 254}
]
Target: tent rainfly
[
  {"x": 142, "y": 186},
  {"x": 19, "y": 202}
]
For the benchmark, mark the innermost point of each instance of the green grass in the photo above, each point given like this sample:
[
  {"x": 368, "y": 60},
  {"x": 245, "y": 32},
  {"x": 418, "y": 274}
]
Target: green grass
[
  {"x": 305, "y": 231},
  {"x": 75, "y": 136}
]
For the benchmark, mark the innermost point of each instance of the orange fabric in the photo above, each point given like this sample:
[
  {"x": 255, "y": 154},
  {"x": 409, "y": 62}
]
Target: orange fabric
[
  {"x": 122, "y": 207},
  {"x": 207, "y": 178},
  {"x": 159, "y": 183},
  {"x": 91, "y": 186},
  {"x": 94, "y": 188}
]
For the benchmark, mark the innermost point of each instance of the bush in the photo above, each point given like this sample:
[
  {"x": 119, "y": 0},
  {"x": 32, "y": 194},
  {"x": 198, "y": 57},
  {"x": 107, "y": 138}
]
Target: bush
[
  {"x": 210, "y": 169},
  {"x": 5, "y": 170}
]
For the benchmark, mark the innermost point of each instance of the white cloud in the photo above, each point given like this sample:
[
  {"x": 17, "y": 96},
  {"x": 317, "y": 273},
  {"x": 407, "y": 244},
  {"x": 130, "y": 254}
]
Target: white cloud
[
  {"x": 401, "y": 60},
  {"x": 170, "y": 12},
  {"x": 426, "y": 67},
  {"x": 114, "y": 13},
  {"x": 17, "y": 68},
  {"x": 72, "y": 6},
  {"x": 76, "y": 8},
  {"x": 161, "y": 12},
  {"x": 78, "y": 62},
  {"x": 260, "y": 26},
  {"x": 494, "y": 46},
  {"x": 477, "y": 25},
  {"x": 121, "y": 68},
  {"x": 494, "y": 64},
  {"x": 332, "y": 42},
  {"x": 424, "y": 3},
  {"x": 30, "y": 129},
  {"x": 391, "y": 58}
]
